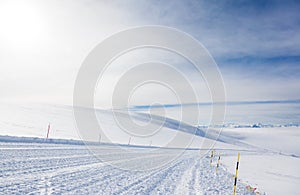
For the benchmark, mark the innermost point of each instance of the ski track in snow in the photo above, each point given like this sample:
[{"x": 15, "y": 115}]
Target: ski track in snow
[{"x": 74, "y": 170}]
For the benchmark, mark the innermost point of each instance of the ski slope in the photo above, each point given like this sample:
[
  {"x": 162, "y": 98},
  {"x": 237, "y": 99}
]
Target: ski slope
[
  {"x": 64, "y": 165},
  {"x": 43, "y": 168}
]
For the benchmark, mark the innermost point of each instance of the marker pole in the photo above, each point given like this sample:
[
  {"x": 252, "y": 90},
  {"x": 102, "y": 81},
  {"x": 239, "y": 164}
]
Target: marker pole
[
  {"x": 129, "y": 140},
  {"x": 48, "y": 131},
  {"x": 99, "y": 139},
  {"x": 236, "y": 174},
  {"x": 211, "y": 157},
  {"x": 218, "y": 164}
]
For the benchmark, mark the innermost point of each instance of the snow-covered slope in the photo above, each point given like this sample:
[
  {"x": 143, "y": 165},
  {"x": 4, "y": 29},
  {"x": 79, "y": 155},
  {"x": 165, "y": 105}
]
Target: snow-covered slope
[
  {"x": 269, "y": 154},
  {"x": 33, "y": 120},
  {"x": 273, "y": 166},
  {"x": 37, "y": 168}
]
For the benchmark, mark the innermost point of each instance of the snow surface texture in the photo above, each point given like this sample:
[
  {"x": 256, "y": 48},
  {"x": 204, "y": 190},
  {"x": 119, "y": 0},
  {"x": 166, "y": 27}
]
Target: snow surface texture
[
  {"x": 274, "y": 165},
  {"x": 70, "y": 169},
  {"x": 269, "y": 155}
]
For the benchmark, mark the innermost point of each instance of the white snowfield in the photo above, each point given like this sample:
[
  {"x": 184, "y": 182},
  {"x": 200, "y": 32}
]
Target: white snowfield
[
  {"x": 274, "y": 166},
  {"x": 269, "y": 157},
  {"x": 48, "y": 168}
]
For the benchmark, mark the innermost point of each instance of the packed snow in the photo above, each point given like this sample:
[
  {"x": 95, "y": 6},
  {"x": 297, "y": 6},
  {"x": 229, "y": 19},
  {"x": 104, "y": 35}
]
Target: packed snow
[
  {"x": 50, "y": 168},
  {"x": 64, "y": 164}
]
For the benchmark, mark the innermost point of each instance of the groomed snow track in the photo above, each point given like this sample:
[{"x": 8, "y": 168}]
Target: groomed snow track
[{"x": 48, "y": 168}]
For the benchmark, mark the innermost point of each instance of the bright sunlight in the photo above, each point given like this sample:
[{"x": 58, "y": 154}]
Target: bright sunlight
[{"x": 21, "y": 24}]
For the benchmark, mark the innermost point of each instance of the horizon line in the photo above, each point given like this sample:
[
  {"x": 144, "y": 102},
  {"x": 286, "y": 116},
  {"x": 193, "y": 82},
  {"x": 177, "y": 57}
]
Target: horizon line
[{"x": 296, "y": 101}]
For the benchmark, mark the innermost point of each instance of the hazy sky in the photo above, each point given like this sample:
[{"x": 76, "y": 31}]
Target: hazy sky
[{"x": 256, "y": 44}]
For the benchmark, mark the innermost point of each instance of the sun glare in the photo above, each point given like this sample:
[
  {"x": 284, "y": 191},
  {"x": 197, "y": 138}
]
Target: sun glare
[{"x": 21, "y": 24}]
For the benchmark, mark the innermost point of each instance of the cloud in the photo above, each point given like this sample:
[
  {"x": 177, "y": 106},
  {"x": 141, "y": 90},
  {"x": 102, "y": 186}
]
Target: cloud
[
  {"x": 231, "y": 28},
  {"x": 255, "y": 43}
]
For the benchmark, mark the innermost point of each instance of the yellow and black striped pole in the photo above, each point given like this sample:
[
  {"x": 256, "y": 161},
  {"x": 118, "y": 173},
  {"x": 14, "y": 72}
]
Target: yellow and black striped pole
[
  {"x": 211, "y": 157},
  {"x": 218, "y": 164},
  {"x": 236, "y": 174}
]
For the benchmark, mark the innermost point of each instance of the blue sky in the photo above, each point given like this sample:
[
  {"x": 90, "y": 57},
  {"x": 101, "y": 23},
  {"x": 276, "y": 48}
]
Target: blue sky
[
  {"x": 266, "y": 31},
  {"x": 256, "y": 44}
]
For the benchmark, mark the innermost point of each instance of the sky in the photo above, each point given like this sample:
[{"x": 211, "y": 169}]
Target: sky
[{"x": 256, "y": 44}]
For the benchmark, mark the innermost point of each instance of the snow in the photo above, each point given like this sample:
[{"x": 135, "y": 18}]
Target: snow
[
  {"x": 273, "y": 166},
  {"x": 270, "y": 154},
  {"x": 275, "y": 174},
  {"x": 72, "y": 169}
]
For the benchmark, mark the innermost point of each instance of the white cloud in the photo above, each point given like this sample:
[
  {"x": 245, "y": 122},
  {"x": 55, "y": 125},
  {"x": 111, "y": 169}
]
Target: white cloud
[{"x": 40, "y": 63}]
